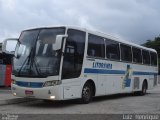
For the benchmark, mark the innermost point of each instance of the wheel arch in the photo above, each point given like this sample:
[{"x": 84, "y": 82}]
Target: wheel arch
[
  {"x": 145, "y": 81},
  {"x": 90, "y": 81}
]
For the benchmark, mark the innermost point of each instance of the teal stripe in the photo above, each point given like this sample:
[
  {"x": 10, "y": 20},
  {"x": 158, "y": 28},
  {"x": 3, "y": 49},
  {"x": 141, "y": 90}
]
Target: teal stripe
[
  {"x": 102, "y": 71},
  {"x": 144, "y": 73}
]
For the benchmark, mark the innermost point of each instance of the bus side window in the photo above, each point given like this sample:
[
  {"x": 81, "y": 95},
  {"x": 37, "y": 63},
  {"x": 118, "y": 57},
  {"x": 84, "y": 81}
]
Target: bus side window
[
  {"x": 96, "y": 46},
  {"x": 153, "y": 59},
  {"x": 146, "y": 57},
  {"x": 112, "y": 50},
  {"x": 126, "y": 54},
  {"x": 74, "y": 53},
  {"x": 137, "y": 55}
]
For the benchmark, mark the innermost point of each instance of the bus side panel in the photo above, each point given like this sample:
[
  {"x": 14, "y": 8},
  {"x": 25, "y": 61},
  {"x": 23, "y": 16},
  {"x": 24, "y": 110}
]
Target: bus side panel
[
  {"x": 109, "y": 83},
  {"x": 101, "y": 85},
  {"x": 153, "y": 79},
  {"x": 122, "y": 83},
  {"x": 116, "y": 81},
  {"x": 147, "y": 75},
  {"x": 72, "y": 88},
  {"x": 150, "y": 82},
  {"x": 113, "y": 84}
]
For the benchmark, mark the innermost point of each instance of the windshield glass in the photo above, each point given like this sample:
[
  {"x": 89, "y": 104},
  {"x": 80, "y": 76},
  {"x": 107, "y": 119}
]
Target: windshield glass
[{"x": 35, "y": 56}]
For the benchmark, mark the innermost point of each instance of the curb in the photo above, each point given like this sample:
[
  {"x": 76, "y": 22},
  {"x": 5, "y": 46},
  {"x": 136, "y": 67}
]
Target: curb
[{"x": 15, "y": 101}]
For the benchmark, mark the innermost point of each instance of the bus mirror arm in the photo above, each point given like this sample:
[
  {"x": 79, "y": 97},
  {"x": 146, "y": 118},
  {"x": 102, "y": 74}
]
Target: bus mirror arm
[
  {"x": 62, "y": 53},
  {"x": 58, "y": 42}
]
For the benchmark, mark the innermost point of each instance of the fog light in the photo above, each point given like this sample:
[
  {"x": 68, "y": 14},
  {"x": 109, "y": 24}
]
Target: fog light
[
  {"x": 14, "y": 94},
  {"x": 52, "y": 97}
]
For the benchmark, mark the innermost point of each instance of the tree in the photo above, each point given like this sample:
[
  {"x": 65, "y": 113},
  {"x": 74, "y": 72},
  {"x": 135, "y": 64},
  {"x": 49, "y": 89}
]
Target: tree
[{"x": 155, "y": 44}]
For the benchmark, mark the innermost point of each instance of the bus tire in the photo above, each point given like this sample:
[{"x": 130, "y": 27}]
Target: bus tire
[
  {"x": 144, "y": 89},
  {"x": 87, "y": 93},
  {"x": 47, "y": 101}
]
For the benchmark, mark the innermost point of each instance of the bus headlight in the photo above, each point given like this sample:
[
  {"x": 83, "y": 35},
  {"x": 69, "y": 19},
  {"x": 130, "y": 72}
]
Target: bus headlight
[{"x": 52, "y": 83}]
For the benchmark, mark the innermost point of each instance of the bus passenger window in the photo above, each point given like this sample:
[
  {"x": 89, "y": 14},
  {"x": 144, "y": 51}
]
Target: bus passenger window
[
  {"x": 126, "y": 54},
  {"x": 137, "y": 56},
  {"x": 146, "y": 57},
  {"x": 96, "y": 46},
  {"x": 153, "y": 59},
  {"x": 112, "y": 50}
]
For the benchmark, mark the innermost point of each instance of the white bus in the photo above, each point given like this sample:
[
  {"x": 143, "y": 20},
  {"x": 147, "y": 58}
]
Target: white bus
[{"x": 60, "y": 63}]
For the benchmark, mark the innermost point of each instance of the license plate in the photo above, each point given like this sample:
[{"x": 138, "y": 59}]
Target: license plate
[{"x": 29, "y": 92}]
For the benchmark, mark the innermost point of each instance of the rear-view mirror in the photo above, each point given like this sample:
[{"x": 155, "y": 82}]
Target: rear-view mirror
[
  {"x": 9, "y": 45},
  {"x": 58, "y": 42}
]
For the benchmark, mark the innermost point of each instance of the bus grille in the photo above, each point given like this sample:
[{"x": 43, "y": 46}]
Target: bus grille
[{"x": 30, "y": 84}]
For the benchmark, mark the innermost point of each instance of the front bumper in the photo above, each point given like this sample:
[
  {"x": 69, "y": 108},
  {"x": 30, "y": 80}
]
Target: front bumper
[{"x": 49, "y": 93}]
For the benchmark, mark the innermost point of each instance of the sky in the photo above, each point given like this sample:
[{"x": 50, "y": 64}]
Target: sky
[{"x": 131, "y": 20}]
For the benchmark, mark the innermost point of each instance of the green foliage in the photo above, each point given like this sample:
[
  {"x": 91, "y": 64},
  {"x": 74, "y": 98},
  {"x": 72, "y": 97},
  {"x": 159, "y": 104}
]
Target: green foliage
[{"x": 155, "y": 44}]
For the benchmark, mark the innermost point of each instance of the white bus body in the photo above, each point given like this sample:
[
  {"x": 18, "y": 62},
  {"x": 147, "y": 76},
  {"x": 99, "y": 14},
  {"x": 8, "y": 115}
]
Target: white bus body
[{"x": 104, "y": 71}]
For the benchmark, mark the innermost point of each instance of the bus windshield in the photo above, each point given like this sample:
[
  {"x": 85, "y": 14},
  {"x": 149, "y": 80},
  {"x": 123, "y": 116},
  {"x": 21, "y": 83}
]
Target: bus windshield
[{"x": 35, "y": 56}]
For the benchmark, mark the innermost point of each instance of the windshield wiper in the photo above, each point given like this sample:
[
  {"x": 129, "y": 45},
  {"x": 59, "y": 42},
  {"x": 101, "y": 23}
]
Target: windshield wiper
[
  {"x": 31, "y": 61},
  {"x": 28, "y": 58}
]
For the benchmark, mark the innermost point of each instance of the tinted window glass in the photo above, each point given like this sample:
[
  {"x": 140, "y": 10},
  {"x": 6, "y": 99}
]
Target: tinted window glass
[
  {"x": 137, "y": 57},
  {"x": 126, "y": 54},
  {"x": 112, "y": 50},
  {"x": 153, "y": 58},
  {"x": 146, "y": 57},
  {"x": 73, "y": 56},
  {"x": 96, "y": 47}
]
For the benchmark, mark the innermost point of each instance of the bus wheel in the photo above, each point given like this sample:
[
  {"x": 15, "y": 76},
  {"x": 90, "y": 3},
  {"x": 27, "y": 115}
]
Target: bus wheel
[
  {"x": 143, "y": 91},
  {"x": 144, "y": 88},
  {"x": 47, "y": 101},
  {"x": 87, "y": 93}
]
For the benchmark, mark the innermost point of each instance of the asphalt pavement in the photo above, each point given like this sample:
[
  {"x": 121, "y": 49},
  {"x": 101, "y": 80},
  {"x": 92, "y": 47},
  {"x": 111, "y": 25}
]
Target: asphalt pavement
[
  {"x": 6, "y": 97},
  {"x": 111, "y": 107}
]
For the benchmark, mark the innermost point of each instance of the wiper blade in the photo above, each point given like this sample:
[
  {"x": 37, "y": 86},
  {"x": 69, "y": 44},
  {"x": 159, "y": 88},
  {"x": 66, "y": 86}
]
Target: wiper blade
[
  {"x": 38, "y": 70},
  {"x": 28, "y": 58},
  {"x": 31, "y": 62}
]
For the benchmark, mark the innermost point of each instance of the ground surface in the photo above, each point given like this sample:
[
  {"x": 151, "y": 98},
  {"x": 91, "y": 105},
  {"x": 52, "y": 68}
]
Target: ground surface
[
  {"x": 125, "y": 103},
  {"x": 114, "y": 104}
]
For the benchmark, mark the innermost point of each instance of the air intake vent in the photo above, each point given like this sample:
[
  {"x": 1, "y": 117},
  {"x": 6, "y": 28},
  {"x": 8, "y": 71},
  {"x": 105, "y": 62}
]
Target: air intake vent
[
  {"x": 136, "y": 83},
  {"x": 155, "y": 80}
]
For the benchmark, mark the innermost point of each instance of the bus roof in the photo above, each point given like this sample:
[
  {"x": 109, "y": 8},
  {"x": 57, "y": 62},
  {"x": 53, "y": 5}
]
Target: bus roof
[{"x": 100, "y": 34}]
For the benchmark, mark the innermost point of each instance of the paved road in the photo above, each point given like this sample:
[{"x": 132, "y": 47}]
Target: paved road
[
  {"x": 5, "y": 94},
  {"x": 115, "y": 104}
]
